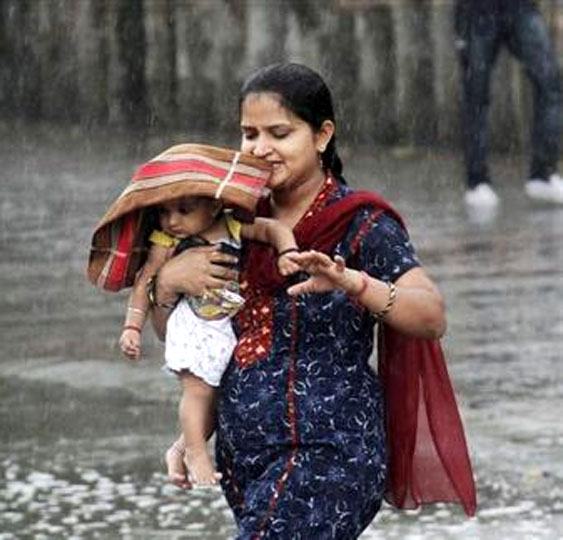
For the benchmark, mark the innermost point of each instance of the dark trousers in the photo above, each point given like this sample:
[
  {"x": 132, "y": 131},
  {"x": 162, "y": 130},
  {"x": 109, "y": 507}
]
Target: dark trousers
[{"x": 481, "y": 34}]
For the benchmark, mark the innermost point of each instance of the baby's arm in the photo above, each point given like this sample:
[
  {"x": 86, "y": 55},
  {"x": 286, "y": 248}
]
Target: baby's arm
[
  {"x": 277, "y": 234},
  {"x": 130, "y": 339}
]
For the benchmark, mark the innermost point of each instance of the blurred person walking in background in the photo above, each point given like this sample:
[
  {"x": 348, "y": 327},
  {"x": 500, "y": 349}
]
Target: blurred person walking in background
[{"x": 482, "y": 27}]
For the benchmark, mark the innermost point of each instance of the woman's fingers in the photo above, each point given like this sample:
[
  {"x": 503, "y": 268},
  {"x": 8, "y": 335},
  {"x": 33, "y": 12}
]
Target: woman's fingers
[
  {"x": 214, "y": 283},
  {"x": 310, "y": 258},
  {"x": 315, "y": 262},
  {"x": 197, "y": 269},
  {"x": 219, "y": 257},
  {"x": 326, "y": 274},
  {"x": 223, "y": 273},
  {"x": 220, "y": 267},
  {"x": 340, "y": 263},
  {"x": 303, "y": 287}
]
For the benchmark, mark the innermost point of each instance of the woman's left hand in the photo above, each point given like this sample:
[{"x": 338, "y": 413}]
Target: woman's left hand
[
  {"x": 417, "y": 310},
  {"x": 326, "y": 274}
]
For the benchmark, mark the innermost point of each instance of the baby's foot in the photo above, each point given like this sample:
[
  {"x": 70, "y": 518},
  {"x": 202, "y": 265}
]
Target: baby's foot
[
  {"x": 200, "y": 467},
  {"x": 176, "y": 468}
]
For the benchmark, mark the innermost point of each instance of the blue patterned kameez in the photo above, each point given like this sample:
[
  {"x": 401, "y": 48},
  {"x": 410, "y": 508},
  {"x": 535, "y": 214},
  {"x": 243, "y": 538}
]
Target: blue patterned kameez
[{"x": 301, "y": 434}]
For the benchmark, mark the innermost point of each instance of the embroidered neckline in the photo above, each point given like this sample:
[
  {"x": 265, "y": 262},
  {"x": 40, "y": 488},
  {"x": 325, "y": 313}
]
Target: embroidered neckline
[{"x": 328, "y": 188}]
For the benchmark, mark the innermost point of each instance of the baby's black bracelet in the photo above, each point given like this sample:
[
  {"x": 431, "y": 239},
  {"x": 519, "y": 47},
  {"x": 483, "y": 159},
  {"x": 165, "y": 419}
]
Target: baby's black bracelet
[
  {"x": 288, "y": 250},
  {"x": 151, "y": 294}
]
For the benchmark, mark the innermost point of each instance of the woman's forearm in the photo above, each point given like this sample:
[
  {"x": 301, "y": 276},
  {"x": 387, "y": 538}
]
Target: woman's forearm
[
  {"x": 416, "y": 307},
  {"x": 412, "y": 305}
]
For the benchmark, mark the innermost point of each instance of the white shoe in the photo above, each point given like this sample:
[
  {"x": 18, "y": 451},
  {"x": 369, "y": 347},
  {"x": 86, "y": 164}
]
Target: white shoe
[
  {"x": 550, "y": 191},
  {"x": 482, "y": 195}
]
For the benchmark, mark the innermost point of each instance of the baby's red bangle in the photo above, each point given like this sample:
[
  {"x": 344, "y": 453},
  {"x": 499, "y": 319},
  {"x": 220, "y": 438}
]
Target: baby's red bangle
[{"x": 132, "y": 327}]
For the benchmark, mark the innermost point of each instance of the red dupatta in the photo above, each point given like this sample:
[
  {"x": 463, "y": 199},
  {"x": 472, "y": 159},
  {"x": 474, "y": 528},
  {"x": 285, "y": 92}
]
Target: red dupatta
[{"x": 428, "y": 457}]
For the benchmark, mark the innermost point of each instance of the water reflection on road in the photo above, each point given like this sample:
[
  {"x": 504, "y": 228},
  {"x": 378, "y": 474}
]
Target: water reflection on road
[{"x": 83, "y": 431}]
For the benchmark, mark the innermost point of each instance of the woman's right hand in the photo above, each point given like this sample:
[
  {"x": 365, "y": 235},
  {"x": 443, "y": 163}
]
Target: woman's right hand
[{"x": 194, "y": 271}]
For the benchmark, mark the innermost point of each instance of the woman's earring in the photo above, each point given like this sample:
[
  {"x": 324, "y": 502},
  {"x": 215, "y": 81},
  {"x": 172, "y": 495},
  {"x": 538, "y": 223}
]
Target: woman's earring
[{"x": 320, "y": 152}]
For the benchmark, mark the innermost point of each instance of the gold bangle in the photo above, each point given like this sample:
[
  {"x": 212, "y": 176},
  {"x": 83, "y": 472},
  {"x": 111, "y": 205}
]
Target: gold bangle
[{"x": 390, "y": 301}]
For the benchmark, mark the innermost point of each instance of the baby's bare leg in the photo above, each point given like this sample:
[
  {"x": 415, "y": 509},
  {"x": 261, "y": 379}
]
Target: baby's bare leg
[{"x": 196, "y": 418}]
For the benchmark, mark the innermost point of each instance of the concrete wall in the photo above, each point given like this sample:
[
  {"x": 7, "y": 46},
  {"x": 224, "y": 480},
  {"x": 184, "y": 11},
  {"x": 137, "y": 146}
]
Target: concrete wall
[{"x": 178, "y": 63}]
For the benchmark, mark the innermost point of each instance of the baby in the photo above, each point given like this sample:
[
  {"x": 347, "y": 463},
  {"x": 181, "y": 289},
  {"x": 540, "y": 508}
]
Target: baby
[{"x": 199, "y": 337}]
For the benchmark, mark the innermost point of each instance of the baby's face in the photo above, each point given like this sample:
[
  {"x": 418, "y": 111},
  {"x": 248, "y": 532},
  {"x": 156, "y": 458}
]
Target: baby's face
[{"x": 187, "y": 216}]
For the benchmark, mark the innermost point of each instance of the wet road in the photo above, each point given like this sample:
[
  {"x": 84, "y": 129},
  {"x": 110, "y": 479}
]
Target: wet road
[{"x": 83, "y": 431}]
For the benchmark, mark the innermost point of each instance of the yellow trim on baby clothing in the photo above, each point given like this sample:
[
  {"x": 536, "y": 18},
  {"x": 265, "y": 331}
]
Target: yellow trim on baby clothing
[
  {"x": 163, "y": 239},
  {"x": 234, "y": 227}
]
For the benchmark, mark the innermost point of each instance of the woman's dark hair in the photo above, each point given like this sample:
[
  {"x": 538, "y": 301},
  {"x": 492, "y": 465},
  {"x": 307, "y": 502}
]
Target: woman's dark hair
[{"x": 305, "y": 94}]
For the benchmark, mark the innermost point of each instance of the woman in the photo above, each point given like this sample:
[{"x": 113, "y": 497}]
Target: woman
[{"x": 301, "y": 425}]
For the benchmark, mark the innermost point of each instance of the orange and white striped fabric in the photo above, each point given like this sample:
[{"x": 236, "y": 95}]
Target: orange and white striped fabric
[{"x": 120, "y": 240}]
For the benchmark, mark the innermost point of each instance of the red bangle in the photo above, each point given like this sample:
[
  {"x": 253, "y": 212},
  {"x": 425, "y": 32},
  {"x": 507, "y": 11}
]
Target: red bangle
[
  {"x": 132, "y": 327},
  {"x": 363, "y": 287}
]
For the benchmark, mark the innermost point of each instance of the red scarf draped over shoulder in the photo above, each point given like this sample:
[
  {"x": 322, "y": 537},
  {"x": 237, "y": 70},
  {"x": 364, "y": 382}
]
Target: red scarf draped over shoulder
[{"x": 428, "y": 457}]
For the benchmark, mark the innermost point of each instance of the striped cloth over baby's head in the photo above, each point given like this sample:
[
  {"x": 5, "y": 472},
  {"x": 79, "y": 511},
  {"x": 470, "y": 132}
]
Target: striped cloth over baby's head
[{"x": 119, "y": 243}]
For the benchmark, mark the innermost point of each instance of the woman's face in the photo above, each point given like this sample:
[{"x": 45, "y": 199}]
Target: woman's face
[
  {"x": 274, "y": 133},
  {"x": 187, "y": 216}
]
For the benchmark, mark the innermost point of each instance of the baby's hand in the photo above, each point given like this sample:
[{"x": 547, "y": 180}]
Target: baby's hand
[
  {"x": 286, "y": 265},
  {"x": 130, "y": 343}
]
